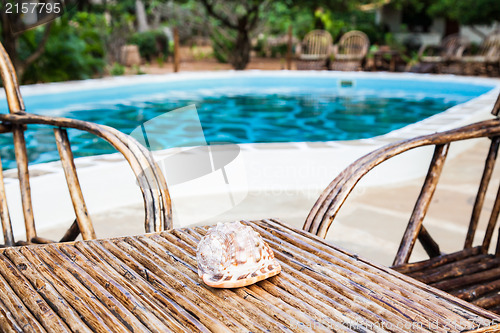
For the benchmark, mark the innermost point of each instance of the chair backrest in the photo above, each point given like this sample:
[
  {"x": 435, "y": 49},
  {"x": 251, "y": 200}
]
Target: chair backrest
[
  {"x": 490, "y": 47},
  {"x": 354, "y": 43},
  {"x": 149, "y": 177},
  {"x": 317, "y": 43},
  {"x": 333, "y": 197},
  {"x": 451, "y": 45}
]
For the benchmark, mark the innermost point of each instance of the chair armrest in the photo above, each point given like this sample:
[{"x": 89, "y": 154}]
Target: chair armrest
[
  {"x": 333, "y": 197},
  {"x": 461, "y": 50},
  {"x": 466, "y": 50},
  {"x": 157, "y": 204}
]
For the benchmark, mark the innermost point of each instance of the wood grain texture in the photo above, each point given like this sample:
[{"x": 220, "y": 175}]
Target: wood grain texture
[
  {"x": 9, "y": 80},
  {"x": 82, "y": 216},
  {"x": 149, "y": 283},
  {"x": 176, "y": 50},
  {"x": 429, "y": 244},
  {"x": 4, "y": 213},
  {"x": 491, "y": 225},
  {"x": 420, "y": 210},
  {"x": 24, "y": 180},
  {"x": 481, "y": 193},
  {"x": 72, "y": 233}
]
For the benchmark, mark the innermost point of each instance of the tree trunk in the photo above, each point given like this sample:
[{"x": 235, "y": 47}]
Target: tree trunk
[
  {"x": 9, "y": 42},
  {"x": 241, "y": 53},
  {"x": 140, "y": 12}
]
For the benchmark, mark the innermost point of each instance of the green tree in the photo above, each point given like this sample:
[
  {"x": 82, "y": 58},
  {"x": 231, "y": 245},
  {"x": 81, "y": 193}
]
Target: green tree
[
  {"x": 73, "y": 51},
  {"x": 237, "y": 19},
  {"x": 466, "y": 11},
  {"x": 234, "y": 21},
  {"x": 12, "y": 27}
]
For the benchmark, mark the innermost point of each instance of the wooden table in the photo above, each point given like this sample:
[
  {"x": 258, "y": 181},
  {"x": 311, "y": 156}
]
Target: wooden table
[{"x": 150, "y": 283}]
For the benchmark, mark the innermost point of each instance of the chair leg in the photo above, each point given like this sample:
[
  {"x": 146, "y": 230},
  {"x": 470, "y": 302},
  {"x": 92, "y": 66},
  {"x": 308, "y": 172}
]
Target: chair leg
[
  {"x": 71, "y": 233},
  {"x": 429, "y": 244},
  {"x": 419, "y": 211},
  {"x": 481, "y": 193},
  {"x": 82, "y": 216}
]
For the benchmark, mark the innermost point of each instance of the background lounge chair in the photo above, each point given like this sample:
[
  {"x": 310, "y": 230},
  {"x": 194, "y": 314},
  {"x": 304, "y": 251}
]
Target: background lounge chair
[
  {"x": 314, "y": 51},
  {"x": 149, "y": 176},
  {"x": 351, "y": 51},
  {"x": 487, "y": 58},
  {"x": 441, "y": 56},
  {"x": 471, "y": 273}
]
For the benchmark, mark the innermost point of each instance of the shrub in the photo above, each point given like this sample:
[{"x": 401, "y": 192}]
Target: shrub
[
  {"x": 74, "y": 50},
  {"x": 117, "y": 69},
  {"x": 152, "y": 44}
]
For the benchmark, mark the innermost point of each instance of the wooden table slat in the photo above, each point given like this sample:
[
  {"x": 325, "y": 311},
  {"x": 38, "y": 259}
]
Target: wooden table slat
[
  {"x": 16, "y": 310},
  {"x": 214, "y": 296},
  {"x": 362, "y": 286},
  {"x": 47, "y": 291},
  {"x": 461, "y": 307},
  {"x": 162, "y": 307}
]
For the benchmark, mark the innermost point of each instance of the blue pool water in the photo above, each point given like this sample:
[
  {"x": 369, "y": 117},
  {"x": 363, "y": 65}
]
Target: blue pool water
[{"x": 240, "y": 110}]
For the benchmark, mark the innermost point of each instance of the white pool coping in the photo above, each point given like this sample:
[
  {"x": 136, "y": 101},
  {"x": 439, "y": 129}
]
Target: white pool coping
[{"x": 265, "y": 169}]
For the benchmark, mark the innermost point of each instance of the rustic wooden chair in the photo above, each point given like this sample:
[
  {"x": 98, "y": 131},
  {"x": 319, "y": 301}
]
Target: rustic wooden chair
[
  {"x": 487, "y": 58},
  {"x": 350, "y": 51},
  {"x": 149, "y": 177},
  {"x": 471, "y": 273},
  {"x": 443, "y": 55},
  {"x": 314, "y": 51}
]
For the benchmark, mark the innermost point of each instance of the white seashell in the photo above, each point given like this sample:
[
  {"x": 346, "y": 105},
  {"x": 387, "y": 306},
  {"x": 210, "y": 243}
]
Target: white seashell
[{"x": 233, "y": 255}]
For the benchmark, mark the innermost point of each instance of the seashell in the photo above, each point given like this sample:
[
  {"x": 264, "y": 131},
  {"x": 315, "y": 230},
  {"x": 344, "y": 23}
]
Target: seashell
[{"x": 233, "y": 255}]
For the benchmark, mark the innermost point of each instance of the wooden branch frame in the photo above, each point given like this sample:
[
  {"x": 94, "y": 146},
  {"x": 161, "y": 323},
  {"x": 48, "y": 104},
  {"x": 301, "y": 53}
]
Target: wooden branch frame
[
  {"x": 82, "y": 216},
  {"x": 422, "y": 204},
  {"x": 481, "y": 192},
  {"x": 153, "y": 186},
  {"x": 157, "y": 203},
  {"x": 333, "y": 197}
]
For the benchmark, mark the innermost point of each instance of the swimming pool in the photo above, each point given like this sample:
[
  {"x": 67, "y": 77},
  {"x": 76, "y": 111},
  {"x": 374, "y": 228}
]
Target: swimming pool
[{"x": 239, "y": 108}]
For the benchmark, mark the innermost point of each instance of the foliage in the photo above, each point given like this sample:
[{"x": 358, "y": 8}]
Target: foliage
[
  {"x": 137, "y": 70},
  {"x": 222, "y": 46},
  {"x": 281, "y": 15},
  {"x": 235, "y": 21},
  {"x": 467, "y": 12},
  {"x": 199, "y": 53},
  {"x": 152, "y": 44},
  {"x": 160, "y": 61},
  {"x": 117, "y": 69},
  {"x": 338, "y": 23},
  {"x": 74, "y": 50},
  {"x": 333, "y": 16}
]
